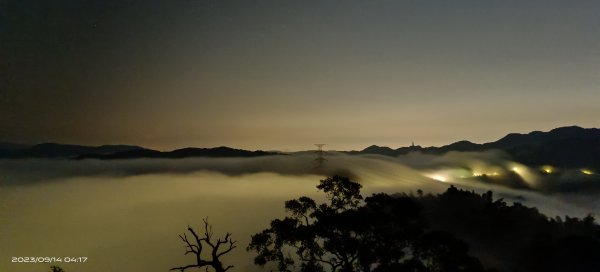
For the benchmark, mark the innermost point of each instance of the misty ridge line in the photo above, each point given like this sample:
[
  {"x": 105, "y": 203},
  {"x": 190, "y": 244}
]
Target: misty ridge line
[
  {"x": 570, "y": 152},
  {"x": 77, "y": 152},
  {"x": 570, "y": 146}
]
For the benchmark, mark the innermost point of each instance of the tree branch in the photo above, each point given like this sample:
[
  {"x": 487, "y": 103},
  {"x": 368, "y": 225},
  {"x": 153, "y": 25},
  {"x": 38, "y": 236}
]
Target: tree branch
[{"x": 196, "y": 247}]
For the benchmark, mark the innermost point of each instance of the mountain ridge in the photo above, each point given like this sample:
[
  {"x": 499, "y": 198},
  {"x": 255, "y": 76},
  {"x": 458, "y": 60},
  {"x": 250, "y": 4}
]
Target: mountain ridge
[
  {"x": 55, "y": 150},
  {"x": 216, "y": 152},
  {"x": 570, "y": 146}
]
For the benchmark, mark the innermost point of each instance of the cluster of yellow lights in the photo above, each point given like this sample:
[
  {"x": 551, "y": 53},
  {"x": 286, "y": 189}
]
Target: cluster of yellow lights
[
  {"x": 477, "y": 174},
  {"x": 545, "y": 169}
]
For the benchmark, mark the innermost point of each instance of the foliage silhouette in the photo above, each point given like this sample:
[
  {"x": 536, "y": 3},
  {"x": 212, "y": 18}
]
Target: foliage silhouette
[
  {"x": 384, "y": 233},
  {"x": 423, "y": 233},
  {"x": 55, "y": 268},
  {"x": 514, "y": 237},
  {"x": 198, "y": 243}
]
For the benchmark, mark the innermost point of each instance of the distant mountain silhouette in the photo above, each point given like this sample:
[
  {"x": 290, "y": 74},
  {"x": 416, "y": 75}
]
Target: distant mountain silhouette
[
  {"x": 381, "y": 150},
  {"x": 565, "y": 146},
  {"x": 562, "y": 147},
  {"x": 54, "y": 150},
  {"x": 221, "y": 151}
]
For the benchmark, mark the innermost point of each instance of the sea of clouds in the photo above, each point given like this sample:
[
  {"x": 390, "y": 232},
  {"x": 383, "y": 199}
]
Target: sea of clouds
[{"x": 125, "y": 215}]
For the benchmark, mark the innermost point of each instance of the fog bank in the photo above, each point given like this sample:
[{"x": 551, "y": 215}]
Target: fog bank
[{"x": 125, "y": 215}]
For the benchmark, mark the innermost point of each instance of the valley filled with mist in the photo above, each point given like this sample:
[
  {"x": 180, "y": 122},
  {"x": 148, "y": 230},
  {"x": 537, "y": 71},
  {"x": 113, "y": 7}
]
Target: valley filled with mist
[{"x": 125, "y": 215}]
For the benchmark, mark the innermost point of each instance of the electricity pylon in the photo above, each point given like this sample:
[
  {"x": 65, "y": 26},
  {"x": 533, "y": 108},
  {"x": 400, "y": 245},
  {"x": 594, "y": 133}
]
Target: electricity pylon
[{"x": 320, "y": 155}]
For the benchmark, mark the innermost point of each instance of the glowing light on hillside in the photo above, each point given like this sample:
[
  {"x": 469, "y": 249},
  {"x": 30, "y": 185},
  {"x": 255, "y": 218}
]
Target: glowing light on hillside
[
  {"x": 439, "y": 178},
  {"x": 530, "y": 177},
  {"x": 548, "y": 169},
  {"x": 587, "y": 172}
]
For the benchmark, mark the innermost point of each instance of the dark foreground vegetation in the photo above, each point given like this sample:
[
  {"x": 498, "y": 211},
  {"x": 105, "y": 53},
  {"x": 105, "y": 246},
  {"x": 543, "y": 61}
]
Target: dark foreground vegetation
[{"x": 454, "y": 231}]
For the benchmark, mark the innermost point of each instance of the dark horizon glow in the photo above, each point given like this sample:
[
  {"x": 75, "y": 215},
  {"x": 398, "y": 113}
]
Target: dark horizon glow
[{"x": 284, "y": 75}]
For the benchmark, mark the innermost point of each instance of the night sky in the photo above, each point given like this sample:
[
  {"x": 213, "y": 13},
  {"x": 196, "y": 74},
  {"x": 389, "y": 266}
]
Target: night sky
[{"x": 287, "y": 74}]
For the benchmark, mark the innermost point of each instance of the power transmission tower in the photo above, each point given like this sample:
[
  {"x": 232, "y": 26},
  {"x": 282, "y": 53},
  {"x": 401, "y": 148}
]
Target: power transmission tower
[{"x": 320, "y": 155}]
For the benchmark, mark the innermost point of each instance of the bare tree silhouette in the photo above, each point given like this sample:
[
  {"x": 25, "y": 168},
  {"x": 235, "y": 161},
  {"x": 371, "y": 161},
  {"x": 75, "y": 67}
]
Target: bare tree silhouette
[{"x": 199, "y": 243}]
